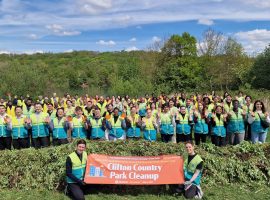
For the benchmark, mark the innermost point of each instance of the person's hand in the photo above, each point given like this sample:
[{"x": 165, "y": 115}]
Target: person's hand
[
  {"x": 47, "y": 120},
  {"x": 69, "y": 139},
  {"x": 266, "y": 114},
  {"x": 252, "y": 114},
  {"x": 196, "y": 113},
  {"x": 7, "y": 120},
  {"x": 28, "y": 121},
  {"x": 213, "y": 115},
  {"x": 187, "y": 183}
]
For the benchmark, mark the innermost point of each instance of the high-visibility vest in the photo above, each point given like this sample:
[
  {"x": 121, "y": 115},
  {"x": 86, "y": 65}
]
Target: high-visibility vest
[
  {"x": 39, "y": 127},
  {"x": 102, "y": 107},
  {"x": 78, "y": 130},
  {"x": 4, "y": 132},
  {"x": 190, "y": 169},
  {"x": 166, "y": 126},
  {"x": 116, "y": 130},
  {"x": 78, "y": 166},
  {"x": 11, "y": 111},
  {"x": 219, "y": 129},
  {"x": 149, "y": 132},
  {"x": 18, "y": 127},
  {"x": 97, "y": 131},
  {"x": 236, "y": 122},
  {"x": 59, "y": 131},
  {"x": 200, "y": 126},
  {"x": 256, "y": 126},
  {"x": 183, "y": 127},
  {"x": 134, "y": 131}
]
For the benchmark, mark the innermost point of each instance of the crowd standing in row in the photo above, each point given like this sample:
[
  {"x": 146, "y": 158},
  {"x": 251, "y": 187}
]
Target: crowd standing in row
[{"x": 25, "y": 122}]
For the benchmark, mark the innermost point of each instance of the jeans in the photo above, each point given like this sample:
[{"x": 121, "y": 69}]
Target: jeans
[{"x": 258, "y": 137}]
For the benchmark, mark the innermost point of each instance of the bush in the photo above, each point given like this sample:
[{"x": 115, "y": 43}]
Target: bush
[{"x": 45, "y": 168}]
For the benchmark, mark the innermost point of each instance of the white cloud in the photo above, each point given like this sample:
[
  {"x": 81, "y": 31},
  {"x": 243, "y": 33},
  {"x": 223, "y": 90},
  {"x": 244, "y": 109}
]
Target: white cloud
[
  {"x": 133, "y": 39},
  {"x": 4, "y": 52},
  {"x": 106, "y": 43},
  {"x": 156, "y": 39},
  {"x": 207, "y": 22},
  {"x": 69, "y": 51},
  {"x": 133, "y": 48},
  {"x": 93, "y": 6},
  {"x": 33, "y": 36},
  {"x": 57, "y": 29},
  {"x": 254, "y": 40}
]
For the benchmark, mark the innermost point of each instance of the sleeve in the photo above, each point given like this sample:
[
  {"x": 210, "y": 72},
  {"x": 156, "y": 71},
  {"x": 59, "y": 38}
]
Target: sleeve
[
  {"x": 213, "y": 122},
  {"x": 69, "y": 171},
  {"x": 51, "y": 126},
  {"x": 200, "y": 166}
]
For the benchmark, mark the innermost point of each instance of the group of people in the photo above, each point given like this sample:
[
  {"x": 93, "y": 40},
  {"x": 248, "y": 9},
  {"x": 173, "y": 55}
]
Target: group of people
[
  {"x": 76, "y": 168},
  {"x": 25, "y": 122}
]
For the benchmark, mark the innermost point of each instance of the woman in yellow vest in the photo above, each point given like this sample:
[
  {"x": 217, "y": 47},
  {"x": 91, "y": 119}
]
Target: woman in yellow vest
[
  {"x": 75, "y": 169},
  {"x": 149, "y": 126},
  {"x": 193, "y": 166}
]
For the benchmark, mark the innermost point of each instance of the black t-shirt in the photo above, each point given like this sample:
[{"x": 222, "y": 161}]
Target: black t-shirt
[{"x": 199, "y": 166}]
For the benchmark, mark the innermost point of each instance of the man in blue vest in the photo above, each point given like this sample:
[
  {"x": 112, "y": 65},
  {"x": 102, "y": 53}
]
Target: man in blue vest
[{"x": 75, "y": 169}]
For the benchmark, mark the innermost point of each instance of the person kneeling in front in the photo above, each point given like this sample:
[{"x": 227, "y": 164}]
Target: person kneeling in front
[
  {"x": 193, "y": 165},
  {"x": 75, "y": 169}
]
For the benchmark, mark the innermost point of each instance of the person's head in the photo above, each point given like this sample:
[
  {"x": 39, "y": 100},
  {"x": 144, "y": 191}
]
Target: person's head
[
  {"x": 215, "y": 99},
  {"x": 133, "y": 110},
  {"x": 97, "y": 112},
  {"x": 28, "y": 102},
  {"x": 148, "y": 113},
  {"x": 229, "y": 98},
  {"x": 248, "y": 99},
  {"x": 116, "y": 111},
  {"x": 18, "y": 111},
  {"x": 78, "y": 111},
  {"x": 235, "y": 104},
  {"x": 188, "y": 102},
  {"x": 206, "y": 100},
  {"x": 190, "y": 148},
  {"x": 38, "y": 108},
  {"x": 219, "y": 110},
  {"x": 89, "y": 104},
  {"x": 171, "y": 103},
  {"x": 101, "y": 99},
  {"x": 240, "y": 93},
  {"x": 60, "y": 112},
  {"x": 225, "y": 94},
  {"x": 199, "y": 98},
  {"x": 110, "y": 107},
  {"x": 81, "y": 146},
  {"x": 183, "y": 110},
  {"x": 200, "y": 106},
  {"x": 46, "y": 99},
  {"x": 9, "y": 103},
  {"x": 259, "y": 106},
  {"x": 2, "y": 109},
  {"x": 183, "y": 95},
  {"x": 50, "y": 106},
  {"x": 153, "y": 106},
  {"x": 69, "y": 103},
  {"x": 166, "y": 108}
]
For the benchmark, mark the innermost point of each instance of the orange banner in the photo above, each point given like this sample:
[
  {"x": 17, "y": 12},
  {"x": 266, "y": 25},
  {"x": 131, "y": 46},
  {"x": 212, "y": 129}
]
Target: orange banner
[{"x": 134, "y": 170}]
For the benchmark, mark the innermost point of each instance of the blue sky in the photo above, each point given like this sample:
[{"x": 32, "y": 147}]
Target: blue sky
[{"x": 29, "y": 26}]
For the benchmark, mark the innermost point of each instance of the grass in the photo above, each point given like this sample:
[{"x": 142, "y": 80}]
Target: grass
[{"x": 228, "y": 192}]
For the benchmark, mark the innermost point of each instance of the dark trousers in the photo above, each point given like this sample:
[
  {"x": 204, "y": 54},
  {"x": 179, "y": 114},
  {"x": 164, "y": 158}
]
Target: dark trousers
[
  {"x": 76, "y": 191},
  {"x": 166, "y": 138},
  {"x": 219, "y": 141},
  {"x": 247, "y": 131},
  {"x": 57, "y": 142},
  {"x": 5, "y": 143},
  {"x": 182, "y": 138},
  {"x": 200, "y": 137},
  {"x": 188, "y": 193},
  {"x": 40, "y": 142},
  {"x": 21, "y": 143}
]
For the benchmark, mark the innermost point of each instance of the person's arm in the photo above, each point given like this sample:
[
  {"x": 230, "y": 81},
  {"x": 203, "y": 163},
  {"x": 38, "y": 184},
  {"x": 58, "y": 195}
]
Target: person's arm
[
  {"x": 123, "y": 124},
  {"x": 51, "y": 126},
  {"x": 196, "y": 174},
  {"x": 69, "y": 172}
]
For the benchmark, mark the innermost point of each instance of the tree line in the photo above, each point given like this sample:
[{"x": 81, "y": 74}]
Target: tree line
[{"x": 181, "y": 63}]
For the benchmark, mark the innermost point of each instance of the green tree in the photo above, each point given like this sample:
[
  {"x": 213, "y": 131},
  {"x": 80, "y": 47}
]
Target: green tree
[{"x": 260, "y": 71}]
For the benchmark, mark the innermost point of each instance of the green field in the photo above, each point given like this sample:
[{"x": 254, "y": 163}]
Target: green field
[{"x": 225, "y": 192}]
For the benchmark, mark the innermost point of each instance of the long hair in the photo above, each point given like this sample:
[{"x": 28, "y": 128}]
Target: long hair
[{"x": 259, "y": 101}]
